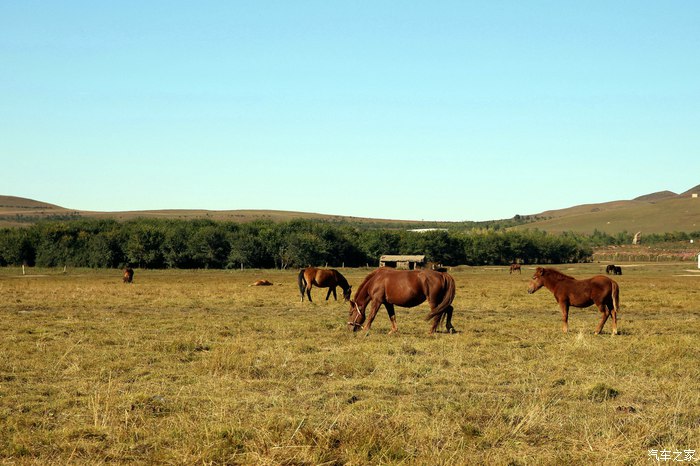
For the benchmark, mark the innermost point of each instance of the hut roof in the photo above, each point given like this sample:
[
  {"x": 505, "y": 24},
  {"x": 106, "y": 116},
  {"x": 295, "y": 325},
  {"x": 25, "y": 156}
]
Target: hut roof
[{"x": 399, "y": 258}]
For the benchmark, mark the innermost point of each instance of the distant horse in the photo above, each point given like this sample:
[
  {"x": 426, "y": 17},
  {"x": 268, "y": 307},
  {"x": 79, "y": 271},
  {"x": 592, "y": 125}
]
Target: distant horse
[
  {"x": 262, "y": 283},
  {"x": 599, "y": 290},
  {"x": 405, "y": 288},
  {"x": 617, "y": 270},
  {"x": 514, "y": 267},
  {"x": 322, "y": 278},
  {"x": 609, "y": 269},
  {"x": 128, "y": 275}
]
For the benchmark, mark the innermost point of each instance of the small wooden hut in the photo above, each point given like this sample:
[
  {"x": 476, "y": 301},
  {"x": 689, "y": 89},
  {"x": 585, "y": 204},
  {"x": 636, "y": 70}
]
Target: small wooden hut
[{"x": 402, "y": 262}]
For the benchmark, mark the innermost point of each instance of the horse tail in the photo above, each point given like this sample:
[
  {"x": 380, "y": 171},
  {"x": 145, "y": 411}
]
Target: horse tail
[
  {"x": 447, "y": 298},
  {"x": 616, "y": 296},
  {"x": 301, "y": 281}
]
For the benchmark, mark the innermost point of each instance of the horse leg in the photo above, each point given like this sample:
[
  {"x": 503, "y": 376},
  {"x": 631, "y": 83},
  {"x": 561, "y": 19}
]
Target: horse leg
[
  {"x": 604, "y": 313},
  {"x": 612, "y": 311},
  {"x": 392, "y": 317},
  {"x": 564, "y": 316},
  {"x": 308, "y": 291},
  {"x": 448, "y": 320},
  {"x": 372, "y": 314},
  {"x": 331, "y": 289}
]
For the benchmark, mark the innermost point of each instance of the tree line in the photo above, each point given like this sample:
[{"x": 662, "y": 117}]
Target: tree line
[{"x": 157, "y": 243}]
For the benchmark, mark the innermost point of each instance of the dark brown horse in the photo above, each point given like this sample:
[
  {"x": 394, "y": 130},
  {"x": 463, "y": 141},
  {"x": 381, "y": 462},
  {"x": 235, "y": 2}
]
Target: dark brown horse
[
  {"x": 609, "y": 269},
  {"x": 599, "y": 290},
  {"x": 405, "y": 288},
  {"x": 128, "y": 275},
  {"x": 514, "y": 267},
  {"x": 322, "y": 278}
]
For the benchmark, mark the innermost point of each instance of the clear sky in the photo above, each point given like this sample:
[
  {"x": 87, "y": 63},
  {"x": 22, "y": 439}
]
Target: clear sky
[{"x": 439, "y": 110}]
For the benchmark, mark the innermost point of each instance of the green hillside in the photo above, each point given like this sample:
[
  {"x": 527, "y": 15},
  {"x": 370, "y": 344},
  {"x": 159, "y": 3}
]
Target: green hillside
[{"x": 666, "y": 215}]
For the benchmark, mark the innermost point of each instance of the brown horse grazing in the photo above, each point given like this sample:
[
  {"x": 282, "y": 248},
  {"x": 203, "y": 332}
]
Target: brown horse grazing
[
  {"x": 599, "y": 290},
  {"x": 128, "y": 275},
  {"x": 322, "y": 278},
  {"x": 405, "y": 288},
  {"x": 514, "y": 267}
]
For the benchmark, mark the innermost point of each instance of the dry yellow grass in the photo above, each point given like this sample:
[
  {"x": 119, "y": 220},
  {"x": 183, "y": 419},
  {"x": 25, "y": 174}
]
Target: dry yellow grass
[{"x": 198, "y": 367}]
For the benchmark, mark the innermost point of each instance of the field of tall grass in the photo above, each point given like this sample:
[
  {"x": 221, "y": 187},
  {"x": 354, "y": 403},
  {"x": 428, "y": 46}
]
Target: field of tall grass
[{"x": 198, "y": 367}]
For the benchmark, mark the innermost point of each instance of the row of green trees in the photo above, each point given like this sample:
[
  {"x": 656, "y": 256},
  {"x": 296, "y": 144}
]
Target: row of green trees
[{"x": 265, "y": 244}]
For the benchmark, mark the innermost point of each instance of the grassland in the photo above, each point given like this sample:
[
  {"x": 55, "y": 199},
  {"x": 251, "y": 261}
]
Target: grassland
[{"x": 197, "y": 367}]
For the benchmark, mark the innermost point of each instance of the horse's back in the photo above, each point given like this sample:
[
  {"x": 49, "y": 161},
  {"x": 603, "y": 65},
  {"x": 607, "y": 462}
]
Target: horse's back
[
  {"x": 325, "y": 277},
  {"x": 410, "y": 288}
]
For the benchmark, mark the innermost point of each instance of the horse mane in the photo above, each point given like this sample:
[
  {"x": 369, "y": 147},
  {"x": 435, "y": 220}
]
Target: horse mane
[
  {"x": 342, "y": 281},
  {"x": 365, "y": 283},
  {"x": 557, "y": 275}
]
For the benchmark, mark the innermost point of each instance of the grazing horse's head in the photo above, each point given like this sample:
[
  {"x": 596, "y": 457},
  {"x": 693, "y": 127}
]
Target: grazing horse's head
[
  {"x": 537, "y": 281},
  {"x": 356, "y": 317},
  {"x": 346, "y": 293}
]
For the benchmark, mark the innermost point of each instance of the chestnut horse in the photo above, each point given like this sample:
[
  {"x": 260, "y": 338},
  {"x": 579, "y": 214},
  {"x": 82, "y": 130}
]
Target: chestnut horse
[
  {"x": 514, "y": 267},
  {"x": 599, "y": 290},
  {"x": 128, "y": 275},
  {"x": 322, "y": 278},
  {"x": 405, "y": 288}
]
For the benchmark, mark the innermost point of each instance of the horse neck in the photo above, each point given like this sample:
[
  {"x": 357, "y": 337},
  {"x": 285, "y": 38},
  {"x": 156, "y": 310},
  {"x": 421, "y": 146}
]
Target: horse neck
[
  {"x": 362, "y": 293},
  {"x": 342, "y": 282},
  {"x": 553, "y": 277}
]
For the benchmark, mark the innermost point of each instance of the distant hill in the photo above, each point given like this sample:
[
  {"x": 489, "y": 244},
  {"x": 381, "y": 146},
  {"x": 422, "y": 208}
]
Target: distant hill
[
  {"x": 659, "y": 212},
  {"x": 17, "y": 211},
  {"x": 691, "y": 191},
  {"x": 653, "y": 197},
  {"x": 21, "y": 204}
]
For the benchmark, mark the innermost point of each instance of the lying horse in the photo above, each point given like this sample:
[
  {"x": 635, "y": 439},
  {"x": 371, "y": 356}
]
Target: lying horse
[
  {"x": 599, "y": 290},
  {"x": 262, "y": 283},
  {"x": 322, "y": 278},
  {"x": 128, "y": 275},
  {"x": 405, "y": 288},
  {"x": 514, "y": 267}
]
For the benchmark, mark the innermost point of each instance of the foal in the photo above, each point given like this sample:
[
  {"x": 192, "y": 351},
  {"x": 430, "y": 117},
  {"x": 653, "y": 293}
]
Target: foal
[{"x": 599, "y": 290}]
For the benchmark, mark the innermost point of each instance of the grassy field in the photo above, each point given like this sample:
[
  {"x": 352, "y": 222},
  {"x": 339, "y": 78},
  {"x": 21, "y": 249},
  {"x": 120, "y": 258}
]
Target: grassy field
[{"x": 197, "y": 367}]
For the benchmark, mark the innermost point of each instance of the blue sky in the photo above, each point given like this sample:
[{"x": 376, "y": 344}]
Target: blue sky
[{"x": 434, "y": 110}]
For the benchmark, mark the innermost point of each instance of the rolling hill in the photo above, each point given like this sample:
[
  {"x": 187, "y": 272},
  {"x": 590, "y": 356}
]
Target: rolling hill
[
  {"x": 658, "y": 212},
  {"x": 17, "y": 211}
]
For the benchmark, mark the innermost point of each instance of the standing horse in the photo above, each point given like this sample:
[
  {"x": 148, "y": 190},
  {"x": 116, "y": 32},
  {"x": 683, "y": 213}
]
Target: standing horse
[
  {"x": 610, "y": 268},
  {"x": 599, "y": 290},
  {"x": 514, "y": 266},
  {"x": 128, "y": 275},
  {"x": 322, "y": 278},
  {"x": 405, "y": 288}
]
